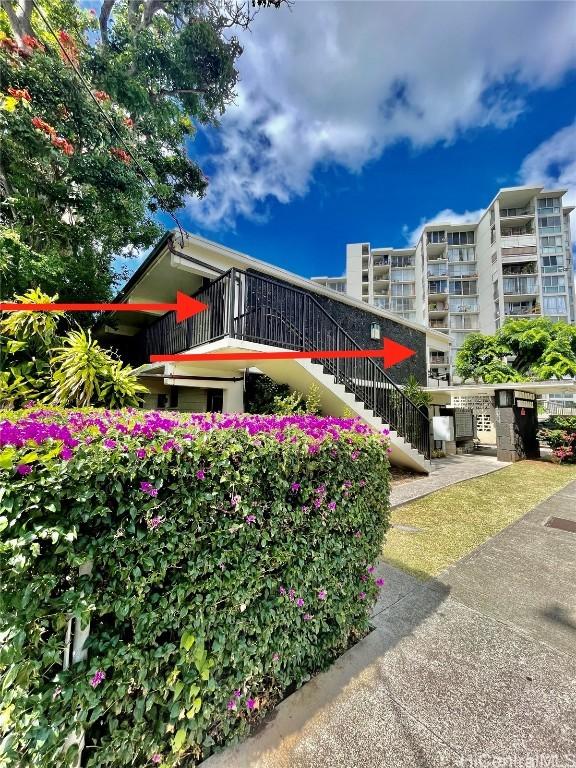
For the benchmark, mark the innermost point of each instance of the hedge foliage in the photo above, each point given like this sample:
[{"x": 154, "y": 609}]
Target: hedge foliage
[{"x": 232, "y": 558}]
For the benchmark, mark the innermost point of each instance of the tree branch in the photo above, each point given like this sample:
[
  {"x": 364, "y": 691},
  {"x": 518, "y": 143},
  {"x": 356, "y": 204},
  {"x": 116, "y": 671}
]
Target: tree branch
[
  {"x": 105, "y": 12},
  {"x": 19, "y": 19}
]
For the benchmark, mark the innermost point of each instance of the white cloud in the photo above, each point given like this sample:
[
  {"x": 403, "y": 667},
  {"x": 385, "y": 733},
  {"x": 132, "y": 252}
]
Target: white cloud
[
  {"x": 338, "y": 82},
  {"x": 446, "y": 216},
  {"x": 553, "y": 163}
]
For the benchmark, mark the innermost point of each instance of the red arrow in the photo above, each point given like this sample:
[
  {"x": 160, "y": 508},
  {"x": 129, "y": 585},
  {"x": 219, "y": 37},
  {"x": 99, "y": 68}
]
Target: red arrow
[
  {"x": 392, "y": 353},
  {"x": 184, "y": 307}
]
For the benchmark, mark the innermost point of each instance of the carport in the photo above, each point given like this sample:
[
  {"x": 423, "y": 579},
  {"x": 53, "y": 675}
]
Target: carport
[{"x": 503, "y": 415}]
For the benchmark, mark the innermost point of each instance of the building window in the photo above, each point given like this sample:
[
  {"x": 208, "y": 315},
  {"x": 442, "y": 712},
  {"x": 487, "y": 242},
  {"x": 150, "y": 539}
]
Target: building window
[
  {"x": 555, "y": 305},
  {"x": 556, "y": 284},
  {"x": 436, "y": 237},
  {"x": 549, "y": 205},
  {"x": 403, "y": 289},
  {"x": 463, "y": 287},
  {"x": 553, "y": 263},
  {"x": 173, "y": 397},
  {"x": 461, "y": 254},
  {"x": 365, "y": 249},
  {"x": 460, "y": 238}
]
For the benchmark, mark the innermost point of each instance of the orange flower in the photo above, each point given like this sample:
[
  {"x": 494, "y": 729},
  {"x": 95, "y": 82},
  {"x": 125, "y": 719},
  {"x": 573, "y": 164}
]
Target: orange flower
[
  {"x": 32, "y": 42},
  {"x": 65, "y": 146},
  {"x": 7, "y": 42},
  {"x": 120, "y": 154},
  {"x": 65, "y": 38},
  {"x": 101, "y": 96},
  {"x": 19, "y": 93},
  {"x": 128, "y": 122},
  {"x": 42, "y": 125},
  {"x": 70, "y": 52}
]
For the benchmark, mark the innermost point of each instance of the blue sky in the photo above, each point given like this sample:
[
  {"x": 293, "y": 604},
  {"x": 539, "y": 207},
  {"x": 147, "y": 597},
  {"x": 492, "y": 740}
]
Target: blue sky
[{"x": 360, "y": 121}]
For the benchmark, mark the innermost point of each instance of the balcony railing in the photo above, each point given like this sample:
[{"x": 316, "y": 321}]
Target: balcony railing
[
  {"x": 506, "y": 213},
  {"x": 243, "y": 305},
  {"x": 518, "y": 241},
  {"x": 519, "y": 286}
]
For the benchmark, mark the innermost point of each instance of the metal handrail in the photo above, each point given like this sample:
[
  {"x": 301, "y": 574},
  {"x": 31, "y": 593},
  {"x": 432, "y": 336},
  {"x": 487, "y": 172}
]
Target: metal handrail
[{"x": 250, "y": 306}]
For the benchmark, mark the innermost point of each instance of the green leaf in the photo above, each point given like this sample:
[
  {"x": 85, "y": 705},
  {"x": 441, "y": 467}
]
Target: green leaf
[
  {"x": 179, "y": 740},
  {"x": 187, "y": 640}
]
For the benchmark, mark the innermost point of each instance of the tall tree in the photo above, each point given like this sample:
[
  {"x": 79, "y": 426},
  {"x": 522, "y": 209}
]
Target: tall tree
[
  {"x": 95, "y": 114},
  {"x": 521, "y": 350}
]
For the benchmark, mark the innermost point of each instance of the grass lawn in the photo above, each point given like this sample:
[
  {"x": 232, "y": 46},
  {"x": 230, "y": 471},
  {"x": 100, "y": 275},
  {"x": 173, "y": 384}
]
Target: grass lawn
[{"x": 456, "y": 520}]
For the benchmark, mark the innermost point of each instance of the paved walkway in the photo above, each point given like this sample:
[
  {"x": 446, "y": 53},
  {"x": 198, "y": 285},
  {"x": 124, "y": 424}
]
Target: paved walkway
[
  {"x": 445, "y": 472},
  {"x": 475, "y": 668}
]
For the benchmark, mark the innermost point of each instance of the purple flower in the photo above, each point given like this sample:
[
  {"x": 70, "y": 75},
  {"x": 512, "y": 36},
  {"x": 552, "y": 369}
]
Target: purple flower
[
  {"x": 282, "y": 591},
  {"x": 291, "y": 594},
  {"x": 388, "y": 450},
  {"x": 321, "y": 490},
  {"x": 380, "y": 582},
  {"x": 200, "y": 475},
  {"x": 332, "y": 506},
  {"x": 371, "y": 569},
  {"x": 300, "y": 602},
  {"x": 363, "y": 577},
  {"x": 362, "y": 483},
  {"x": 235, "y": 501},
  {"x": 322, "y": 594},
  {"x": 231, "y": 704},
  {"x": 156, "y": 758},
  {"x": 276, "y": 657},
  {"x": 317, "y": 503},
  {"x": 154, "y": 522},
  {"x": 307, "y": 617},
  {"x": 141, "y": 453},
  {"x": 358, "y": 535},
  {"x": 99, "y": 675},
  {"x": 295, "y": 487},
  {"x": 362, "y": 596},
  {"x": 250, "y": 519},
  {"x": 238, "y": 693},
  {"x": 66, "y": 454},
  {"x": 313, "y": 448},
  {"x": 250, "y": 703},
  {"x": 23, "y": 469},
  {"x": 354, "y": 455},
  {"x": 108, "y": 443},
  {"x": 149, "y": 489}
]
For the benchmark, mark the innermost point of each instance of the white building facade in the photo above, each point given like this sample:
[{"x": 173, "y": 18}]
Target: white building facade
[{"x": 515, "y": 261}]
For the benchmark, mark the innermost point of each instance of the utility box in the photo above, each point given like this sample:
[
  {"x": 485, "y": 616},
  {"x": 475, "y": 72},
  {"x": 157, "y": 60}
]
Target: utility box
[{"x": 443, "y": 428}]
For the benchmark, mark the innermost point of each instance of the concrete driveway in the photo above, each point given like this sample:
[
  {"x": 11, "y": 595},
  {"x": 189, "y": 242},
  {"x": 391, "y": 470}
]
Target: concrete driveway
[{"x": 474, "y": 668}]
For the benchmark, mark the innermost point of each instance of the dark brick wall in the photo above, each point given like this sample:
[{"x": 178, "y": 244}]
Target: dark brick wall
[{"x": 356, "y": 322}]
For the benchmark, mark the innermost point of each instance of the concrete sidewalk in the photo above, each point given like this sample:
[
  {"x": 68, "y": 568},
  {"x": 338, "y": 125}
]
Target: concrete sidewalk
[
  {"x": 477, "y": 667},
  {"x": 445, "y": 472}
]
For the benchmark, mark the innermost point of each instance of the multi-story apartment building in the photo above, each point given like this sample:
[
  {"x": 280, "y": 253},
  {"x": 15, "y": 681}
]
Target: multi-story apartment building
[{"x": 516, "y": 260}]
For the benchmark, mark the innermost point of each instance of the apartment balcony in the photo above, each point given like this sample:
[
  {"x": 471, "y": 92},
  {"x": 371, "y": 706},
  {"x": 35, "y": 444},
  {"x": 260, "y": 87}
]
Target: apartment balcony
[
  {"x": 438, "y": 358},
  {"x": 520, "y": 270},
  {"x": 437, "y": 309},
  {"x": 437, "y": 288},
  {"x": 522, "y": 309},
  {"x": 465, "y": 309},
  {"x": 517, "y": 216},
  {"x": 441, "y": 325},
  {"x": 527, "y": 240}
]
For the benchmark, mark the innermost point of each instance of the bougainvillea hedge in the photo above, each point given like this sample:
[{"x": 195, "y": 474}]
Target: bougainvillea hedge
[
  {"x": 232, "y": 558},
  {"x": 560, "y": 433}
]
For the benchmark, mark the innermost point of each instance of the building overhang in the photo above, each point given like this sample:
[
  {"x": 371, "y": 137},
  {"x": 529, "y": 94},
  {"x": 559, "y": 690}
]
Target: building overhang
[
  {"x": 444, "y": 395},
  {"x": 180, "y": 263}
]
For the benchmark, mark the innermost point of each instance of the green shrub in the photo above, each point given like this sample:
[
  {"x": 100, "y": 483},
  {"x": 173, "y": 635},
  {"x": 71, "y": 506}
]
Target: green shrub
[
  {"x": 232, "y": 559},
  {"x": 560, "y": 434}
]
